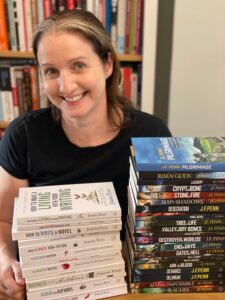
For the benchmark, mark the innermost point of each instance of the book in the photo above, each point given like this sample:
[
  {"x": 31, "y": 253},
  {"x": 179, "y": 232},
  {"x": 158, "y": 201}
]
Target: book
[
  {"x": 55, "y": 257},
  {"x": 97, "y": 294},
  {"x": 56, "y": 244},
  {"x": 179, "y": 154},
  {"x": 45, "y": 271},
  {"x": 189, "y": 289},
  {"x": 68, "y": 289},
  {"x": 3, "y": 29},
  {"x": 161, "y": 284},
  {"x": 104, "y": 271},
  {"x": 33, "y": 234},
  {"x": 66, "y": 203},
  {"x": 175, "y": 177}
]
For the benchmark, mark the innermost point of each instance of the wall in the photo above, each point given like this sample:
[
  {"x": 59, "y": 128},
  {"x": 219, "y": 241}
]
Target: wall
[{"x": 197, "y": 86}]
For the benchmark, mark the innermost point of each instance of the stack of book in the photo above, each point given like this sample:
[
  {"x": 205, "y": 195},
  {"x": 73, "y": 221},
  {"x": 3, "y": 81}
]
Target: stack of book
[
  {"x": 175, "y": 231},
  {"x": 69, "y": 241}
]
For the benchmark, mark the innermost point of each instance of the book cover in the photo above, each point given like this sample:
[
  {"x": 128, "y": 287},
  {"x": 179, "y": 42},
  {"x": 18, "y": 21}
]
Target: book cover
[
  {"x": 179, "y": 154},
  {"x": 67, "y": 202}
]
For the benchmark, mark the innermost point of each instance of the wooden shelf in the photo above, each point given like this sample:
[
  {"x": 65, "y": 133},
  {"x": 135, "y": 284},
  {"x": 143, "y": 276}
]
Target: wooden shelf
[
  {"x": 29, "y": 54},
  {"x": 3, "y": 124}
]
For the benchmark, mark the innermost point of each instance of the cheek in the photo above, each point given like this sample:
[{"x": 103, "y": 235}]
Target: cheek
[{"x": 50, "y": 87}]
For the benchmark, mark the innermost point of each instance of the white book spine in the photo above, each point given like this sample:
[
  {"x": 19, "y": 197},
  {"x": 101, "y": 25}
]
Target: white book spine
[
  {"x": 116, "y": 270},
  {"x": 7, "y": 105},
  {"x": 63, "y": 268},
  {"x": 68, "y": 224},
  {"x": 39, "y": 260},
  {"x": 20, "y": 22},
  {"x": 75, "y": 288},
  {"x": 17, "y": 235},
  {"x": 98, "y": 294},
  {"x": 44, "y": 246}
]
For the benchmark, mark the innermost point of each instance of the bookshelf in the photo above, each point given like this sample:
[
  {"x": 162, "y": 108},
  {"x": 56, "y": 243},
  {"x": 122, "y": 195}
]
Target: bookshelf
[
  {"x": 28, "y": 54},
  {"x": 132, "y": 61}
]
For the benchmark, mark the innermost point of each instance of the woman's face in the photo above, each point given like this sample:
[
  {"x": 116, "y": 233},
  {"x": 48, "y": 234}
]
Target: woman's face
[{"x": 74, "y": 77}]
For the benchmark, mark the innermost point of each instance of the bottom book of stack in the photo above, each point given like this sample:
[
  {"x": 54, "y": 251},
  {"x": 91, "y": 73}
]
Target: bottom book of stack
[{"x": 74, "y": 252}]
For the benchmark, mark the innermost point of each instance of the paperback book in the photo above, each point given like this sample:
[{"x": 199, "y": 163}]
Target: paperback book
[
  {"x": 66, "y": 203},
  {"x": 179, "y": 154}
]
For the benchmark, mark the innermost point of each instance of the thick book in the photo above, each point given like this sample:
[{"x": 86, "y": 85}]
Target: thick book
[
  {"x": 179, "y": 153},
  {"x": 66, "y": 202}
]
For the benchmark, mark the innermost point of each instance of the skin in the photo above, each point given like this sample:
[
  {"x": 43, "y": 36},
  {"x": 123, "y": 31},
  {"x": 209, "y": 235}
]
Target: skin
[
  {"x": 70, "y": 70},
  {"x": 77, "y": 72}
]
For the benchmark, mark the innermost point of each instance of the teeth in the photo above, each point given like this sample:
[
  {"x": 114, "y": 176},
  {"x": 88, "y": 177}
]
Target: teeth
[{"x": 75, "y": 98}]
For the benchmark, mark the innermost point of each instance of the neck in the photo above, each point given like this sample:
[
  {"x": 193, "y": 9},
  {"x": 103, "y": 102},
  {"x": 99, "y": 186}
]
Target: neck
[{"x": 90, "y": 133}]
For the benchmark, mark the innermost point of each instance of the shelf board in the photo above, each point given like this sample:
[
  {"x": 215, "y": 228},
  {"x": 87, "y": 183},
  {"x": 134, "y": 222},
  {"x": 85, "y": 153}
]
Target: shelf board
[
  {"x": 3, "y": 124},
  {"x": 29, "y": 54}
]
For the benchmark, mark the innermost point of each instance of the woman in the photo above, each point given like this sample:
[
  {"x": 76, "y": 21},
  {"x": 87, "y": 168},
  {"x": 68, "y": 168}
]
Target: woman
[{"x": 83, "y": 137}]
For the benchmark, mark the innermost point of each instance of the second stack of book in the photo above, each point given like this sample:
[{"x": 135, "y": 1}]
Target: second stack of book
[
  {"x": 69, "y": 241},
  {"x": 175, "y": 233}
]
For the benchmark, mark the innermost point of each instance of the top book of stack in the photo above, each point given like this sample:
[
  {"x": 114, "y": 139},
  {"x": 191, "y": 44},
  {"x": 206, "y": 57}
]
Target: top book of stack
[
  {"x": 200, "y": 154},
  {"x": 67, "y": 202}
]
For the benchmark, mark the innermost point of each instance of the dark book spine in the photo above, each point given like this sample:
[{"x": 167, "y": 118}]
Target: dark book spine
[
  {"x": 181, "y": 188},
  {"x": 187, "y": 289},
  {"x": 143, "y": 239},
  {"x": 179, "y": 283},
  {"x": 198, "y": 208},
  {"x": 181, "y": 253},
  {"x": 180, "y": 222},
  {"x": 180, "y": 246},
  {"x": 187, "y": 276},
  {"x": 179, "y": 271}
]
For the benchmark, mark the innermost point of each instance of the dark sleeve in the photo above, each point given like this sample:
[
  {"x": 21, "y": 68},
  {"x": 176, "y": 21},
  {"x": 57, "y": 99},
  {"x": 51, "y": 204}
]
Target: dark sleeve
[{"x": 13, "y": 153}]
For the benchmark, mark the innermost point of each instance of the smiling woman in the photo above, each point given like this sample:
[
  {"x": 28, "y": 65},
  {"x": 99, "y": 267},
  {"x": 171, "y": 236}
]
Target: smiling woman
[{"x": 85, "y": 134}]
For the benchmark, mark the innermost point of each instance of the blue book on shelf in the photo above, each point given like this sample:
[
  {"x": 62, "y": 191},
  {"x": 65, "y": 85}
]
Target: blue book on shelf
[{"x": 179, "y": 154}]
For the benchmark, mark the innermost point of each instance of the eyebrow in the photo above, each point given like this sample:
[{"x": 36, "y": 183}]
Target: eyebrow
[{"x": 70, "y": 61}]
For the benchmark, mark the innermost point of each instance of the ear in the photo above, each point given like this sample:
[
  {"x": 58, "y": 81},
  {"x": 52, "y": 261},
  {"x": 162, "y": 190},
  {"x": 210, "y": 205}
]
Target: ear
[{"x": 108, "y": 66}]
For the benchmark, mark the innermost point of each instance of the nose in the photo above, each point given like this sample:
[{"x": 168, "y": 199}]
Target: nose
[{"x": 66, "y": 82}]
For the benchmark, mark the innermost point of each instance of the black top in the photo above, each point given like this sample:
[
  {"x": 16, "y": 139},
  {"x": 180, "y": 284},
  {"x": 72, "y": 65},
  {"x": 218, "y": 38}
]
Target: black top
[{"x": 36, "y": 148}]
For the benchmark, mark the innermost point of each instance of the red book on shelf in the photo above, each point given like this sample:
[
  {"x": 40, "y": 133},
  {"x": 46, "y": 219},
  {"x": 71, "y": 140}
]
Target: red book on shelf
[
  {"x": 47, "y": 8},
  {"x": 3, "y": 29}
]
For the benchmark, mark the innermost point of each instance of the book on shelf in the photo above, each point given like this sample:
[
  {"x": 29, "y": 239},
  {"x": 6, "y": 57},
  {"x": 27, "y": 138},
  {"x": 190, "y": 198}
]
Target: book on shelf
[
  {"x": 67, "y": 202},
  {"x": 204, "y": 154}
]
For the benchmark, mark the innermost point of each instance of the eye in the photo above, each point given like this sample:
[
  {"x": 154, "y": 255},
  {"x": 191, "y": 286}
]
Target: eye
[
  {"x": 78, "y": 66},
  {"x": 50, "y": 72}
]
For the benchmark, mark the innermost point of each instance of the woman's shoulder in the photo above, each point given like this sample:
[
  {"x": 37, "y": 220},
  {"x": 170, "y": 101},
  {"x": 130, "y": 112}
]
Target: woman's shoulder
[
  {"x": 32, "y": 117},
  {"x": 147, "y": 124}
]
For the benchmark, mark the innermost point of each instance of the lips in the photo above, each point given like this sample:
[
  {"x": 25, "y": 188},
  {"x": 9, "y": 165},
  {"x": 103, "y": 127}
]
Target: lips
[{"x": 74, "y": 98}]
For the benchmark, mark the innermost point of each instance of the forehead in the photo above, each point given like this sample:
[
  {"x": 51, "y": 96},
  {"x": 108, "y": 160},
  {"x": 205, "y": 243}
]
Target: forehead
[{"x": 61, "y": 43}]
